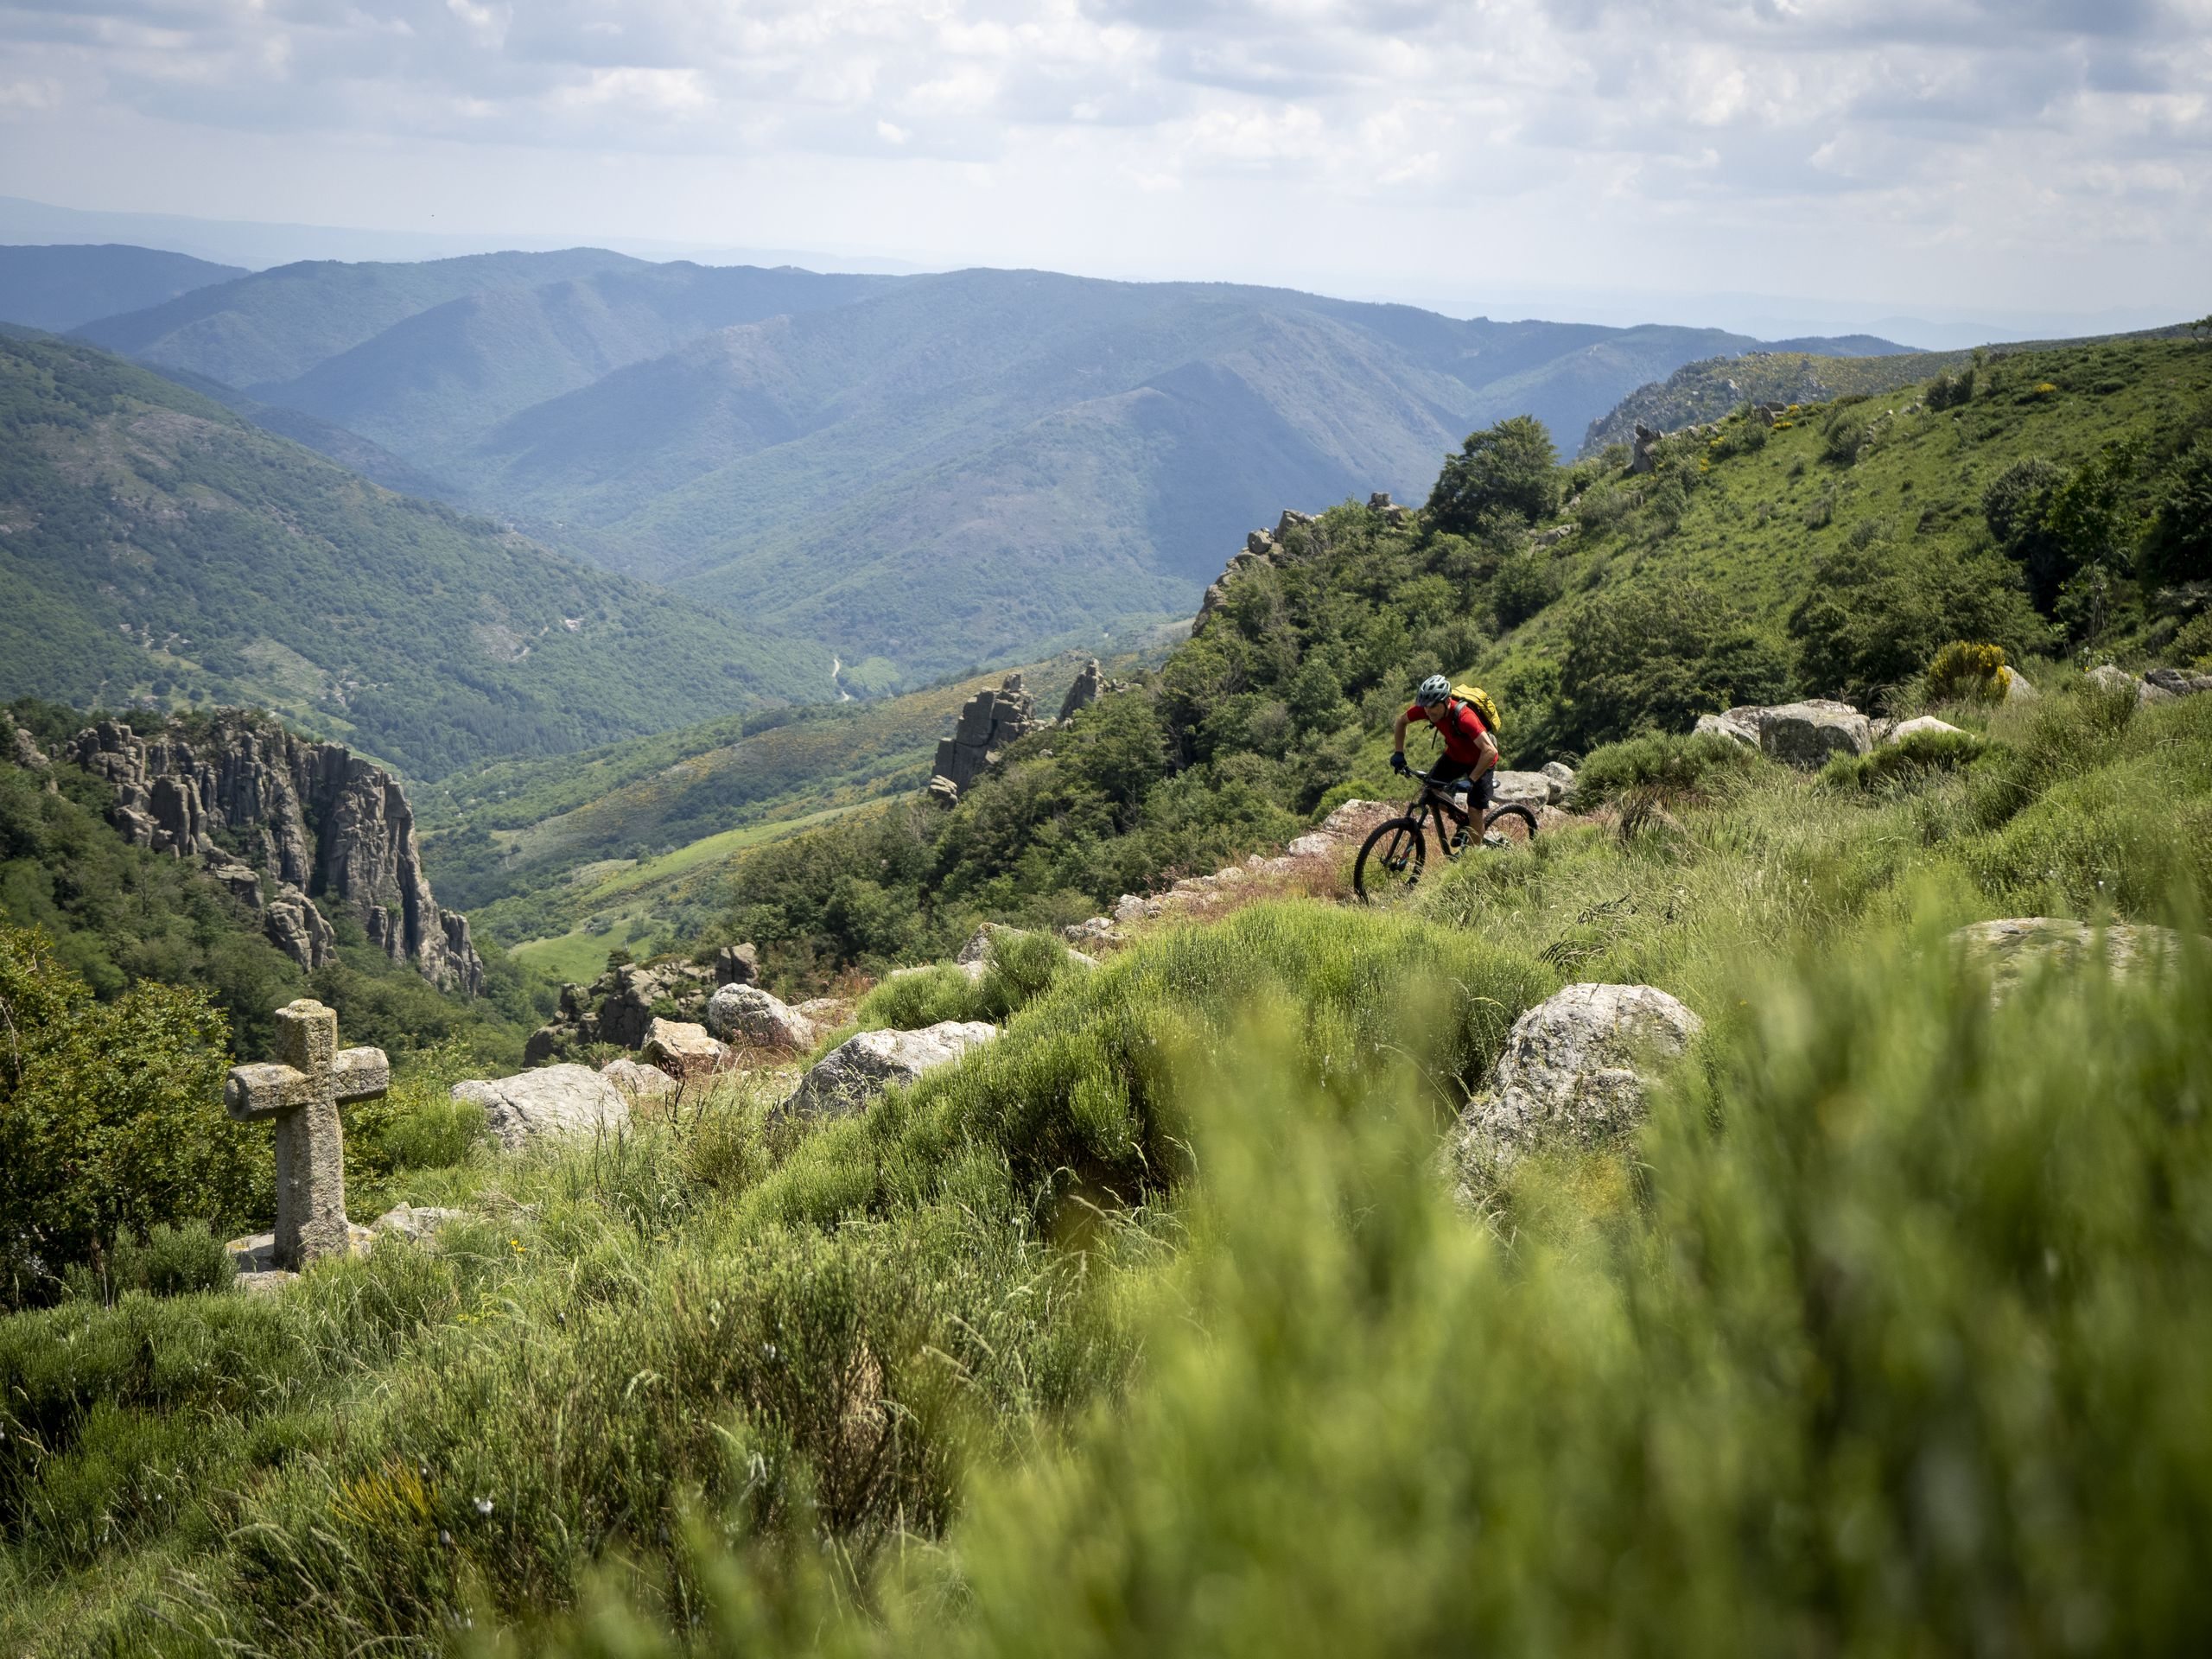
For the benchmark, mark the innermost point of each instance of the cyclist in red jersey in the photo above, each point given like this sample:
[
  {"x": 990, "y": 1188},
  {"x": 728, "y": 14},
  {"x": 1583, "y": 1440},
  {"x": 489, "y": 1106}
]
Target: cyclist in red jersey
[{"x": 1470, "y": 752}]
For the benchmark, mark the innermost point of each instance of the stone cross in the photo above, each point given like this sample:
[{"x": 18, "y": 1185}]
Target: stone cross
[{"x": 302, "y": 1089}]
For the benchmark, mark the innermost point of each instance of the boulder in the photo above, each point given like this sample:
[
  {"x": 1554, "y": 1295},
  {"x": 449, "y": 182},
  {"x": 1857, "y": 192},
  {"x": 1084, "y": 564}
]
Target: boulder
[
  {"x": 1737, "y": 726},
  {"x": 1356, "y": 818},
  {"x": 23, "y": 749},
  {"x": 1574, "y": 1072},
  {"x": 736, "y": 965},
  {"x": 1905, "y": 728},
  {"x": 1096, "y": 931},
  {"x": 1314, "y": 844},
  {"x": 2012, "y": 946},
  {"x": 637, "y": 1081},
  {"x": 1806, "y": 733},
  {"x": 747, "y": 1015},
  {"x": 682, "y": 1050},
  {"x": 1562, "y": 777},
  {"x": 1521, "y": 788},
  {"x": 2108, "y": 677},
  {"x": 416, "y": 1222},
  {"x": 861, "y": 1067},
  {"x": 255, "y": 1254},
  {"x": 551, "y": 1101},
  {"x": 2017, "y": 689},
  {"x": 2173, "y": 682}
]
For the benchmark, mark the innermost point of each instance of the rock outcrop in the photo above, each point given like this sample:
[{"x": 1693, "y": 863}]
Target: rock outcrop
[
  {"x": 1920, "y": 726},
  {"x": 854, "y": 1073},
  {"x": 1573, "y": 1073},
  {"x": 682, "y": 1050},
  {"x": 22, "y": 749},
  {"x": 553, "y": 1101},
  {"x": 1796, "y": 733},
  {"x": 621, "y": 1004},
  {"x": 987, "y": 723},
  {"x": 284, "y": 820},
  {"x": 1084, "y": 692}
]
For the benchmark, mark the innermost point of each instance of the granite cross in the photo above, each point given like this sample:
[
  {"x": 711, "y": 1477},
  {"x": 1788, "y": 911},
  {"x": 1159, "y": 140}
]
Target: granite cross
[{"x": 302, "y": 1089}]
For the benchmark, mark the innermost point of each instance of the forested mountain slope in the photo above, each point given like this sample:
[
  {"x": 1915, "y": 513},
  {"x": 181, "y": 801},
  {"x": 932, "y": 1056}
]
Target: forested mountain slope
[
  {"x": 57, "y": 288},
  {"x": 155, "y": 545},
  {"x": 277, "y": 324}
]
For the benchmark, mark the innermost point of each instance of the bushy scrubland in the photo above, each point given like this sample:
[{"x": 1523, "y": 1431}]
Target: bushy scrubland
[{"x": 1151, "y": 1326}]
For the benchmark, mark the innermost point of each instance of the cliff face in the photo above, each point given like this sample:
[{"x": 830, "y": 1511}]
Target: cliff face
[{"x": 279, "y": 819}]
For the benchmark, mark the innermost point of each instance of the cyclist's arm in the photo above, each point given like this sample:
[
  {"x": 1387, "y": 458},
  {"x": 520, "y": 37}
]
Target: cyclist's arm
[
  {"x": 1398, "y": 735},
  {"x": 1489, "y": 756}
]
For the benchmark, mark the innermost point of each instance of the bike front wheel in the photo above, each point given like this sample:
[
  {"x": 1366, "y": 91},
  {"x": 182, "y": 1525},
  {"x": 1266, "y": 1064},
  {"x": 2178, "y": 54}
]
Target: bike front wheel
[{"x": 1390, "y": 863}]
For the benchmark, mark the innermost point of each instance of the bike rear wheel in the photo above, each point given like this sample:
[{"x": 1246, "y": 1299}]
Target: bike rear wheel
[
  {"x": 1514, "y": 821},
  {"x": 1390, "y": 863}
]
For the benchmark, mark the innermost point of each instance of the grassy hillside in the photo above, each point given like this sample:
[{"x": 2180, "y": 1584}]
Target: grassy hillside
[
  {"x": 156, "y": 546},
  {"x": 1151, "y": 1326},
  {"x": 565, "y": 857},
  {"x": 275, "y": 325},
  {"x": 58, "y": 287}
]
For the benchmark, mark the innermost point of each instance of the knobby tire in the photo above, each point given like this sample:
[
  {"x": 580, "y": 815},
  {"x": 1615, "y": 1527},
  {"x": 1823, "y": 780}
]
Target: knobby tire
[{"x": 1390, "y": 862}]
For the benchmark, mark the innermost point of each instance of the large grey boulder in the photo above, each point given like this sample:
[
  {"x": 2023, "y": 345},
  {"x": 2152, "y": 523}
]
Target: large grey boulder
[
  {"x": 1737, "y": 726},
  {"x": 1562, "y": 777},
  {"x": 2165, "y": 683},
  {"x": 1522, "y": 789},
  {"x": 2011, "y": 947},
  {"x": 682, "y": 1050},
  {"x": 861, "y": 1067},
  {"x": 552, "y": 1102},
  {"x": 747, "y": 1015},
  {"x": 1574, "y": 1072},
  {"x": 1807, "y": 734},
  {"x": 638, "y": 1081}
]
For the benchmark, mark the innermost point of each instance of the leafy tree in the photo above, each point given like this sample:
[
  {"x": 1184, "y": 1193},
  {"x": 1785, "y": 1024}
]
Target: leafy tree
[
  {"x": 2016, "y": 506},
  {"x": 1653, "y": 658},
  {"x": 1873, "y": 616},
  {"x": 109, "y": 1118},
  {"x": 2179, "y": 548},
  {"x": 1506, "y": 468}
]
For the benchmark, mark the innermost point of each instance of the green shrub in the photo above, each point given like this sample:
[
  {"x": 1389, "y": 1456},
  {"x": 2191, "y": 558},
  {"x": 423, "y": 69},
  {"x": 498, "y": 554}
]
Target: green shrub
[
  {"x": 1964, "y": 672},
  {"x": 168, "y": 1261},
  {"x": 1524, "y": 584},
  {"x": 2179, "y": 547},
  {"x": 1673, "y": 763},
  {"x": 109, "y": 1123},
  {"x": 1905, "y": 762}
]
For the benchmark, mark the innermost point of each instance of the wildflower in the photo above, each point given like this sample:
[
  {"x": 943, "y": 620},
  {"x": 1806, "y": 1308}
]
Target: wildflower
[{"x": 483, "y": 1506}]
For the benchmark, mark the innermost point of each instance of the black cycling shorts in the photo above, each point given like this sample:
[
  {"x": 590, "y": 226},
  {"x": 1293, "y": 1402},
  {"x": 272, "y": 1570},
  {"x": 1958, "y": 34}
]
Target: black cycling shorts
[{"x": 1446, "y": 769}]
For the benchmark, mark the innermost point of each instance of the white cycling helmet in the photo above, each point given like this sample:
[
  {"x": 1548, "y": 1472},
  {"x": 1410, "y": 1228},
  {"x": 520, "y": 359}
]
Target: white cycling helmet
[{"x": 1433, "y": 691}]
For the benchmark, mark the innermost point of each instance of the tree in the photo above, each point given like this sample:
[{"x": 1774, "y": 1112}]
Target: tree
[
  {"x": 110, "y": 1119},
  {"x": 1653, "y": 658},
  {"x": 1502, "y": 469},
  {"x": 1872, "y": 617},
  {"x": 2180, "y": 548}
]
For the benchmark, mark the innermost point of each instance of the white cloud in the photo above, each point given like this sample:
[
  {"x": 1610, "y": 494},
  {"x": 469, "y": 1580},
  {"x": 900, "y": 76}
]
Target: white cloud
[{"x": 1596, "y": 127}]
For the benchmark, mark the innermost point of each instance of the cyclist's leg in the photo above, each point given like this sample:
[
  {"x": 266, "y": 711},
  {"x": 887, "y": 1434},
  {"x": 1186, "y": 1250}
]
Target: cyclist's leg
[{"x": 1484, "y": 794}]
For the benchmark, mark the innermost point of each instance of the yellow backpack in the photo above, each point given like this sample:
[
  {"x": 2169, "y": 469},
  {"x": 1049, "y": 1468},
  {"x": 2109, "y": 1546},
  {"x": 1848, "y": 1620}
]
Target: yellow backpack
[{"x": 1479, "y": 700}]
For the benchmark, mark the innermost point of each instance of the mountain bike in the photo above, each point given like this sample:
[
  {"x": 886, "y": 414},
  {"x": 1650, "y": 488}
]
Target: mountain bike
[{"x": 1392, "y": 858}]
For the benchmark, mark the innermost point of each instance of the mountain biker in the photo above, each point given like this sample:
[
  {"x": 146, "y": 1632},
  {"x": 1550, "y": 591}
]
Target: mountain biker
[{"x": 1469, "y": 752}]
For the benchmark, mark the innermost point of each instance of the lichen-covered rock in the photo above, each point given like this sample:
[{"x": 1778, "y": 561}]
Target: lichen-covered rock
[
  {"x": 2011, "y": 947},
  {"x": 1521, "y": 788},
  {"x": 621, "y": 1004},
  {"x": 1807, "y": 734},
  {"x": 748, "y": 1015},
  {"x": 861, "y": 1067},
  {"x": 1574, "y": 1072},
  {"x": 989, "y": 721},
  {"x": 554, "y": 1101},
  {"x": 682, "y": 1050},
  {"x": 1737, "y": 726},
  {"x": 638, "y": 1081},
  {"x": 1562, "y": 777},
  {"x": 416, "y": 1222}
]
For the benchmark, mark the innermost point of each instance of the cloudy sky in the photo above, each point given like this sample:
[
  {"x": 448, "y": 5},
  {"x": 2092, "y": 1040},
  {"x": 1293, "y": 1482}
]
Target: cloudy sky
[{"x": 1923, "y": 157}]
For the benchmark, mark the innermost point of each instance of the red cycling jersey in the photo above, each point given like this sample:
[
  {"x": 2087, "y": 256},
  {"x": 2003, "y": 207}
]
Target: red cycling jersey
[{"x": 1461, "y": 727}]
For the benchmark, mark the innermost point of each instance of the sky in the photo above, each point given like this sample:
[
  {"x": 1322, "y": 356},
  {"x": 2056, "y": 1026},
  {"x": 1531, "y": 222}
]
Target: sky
[{"x": 1849, "y": 158}]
